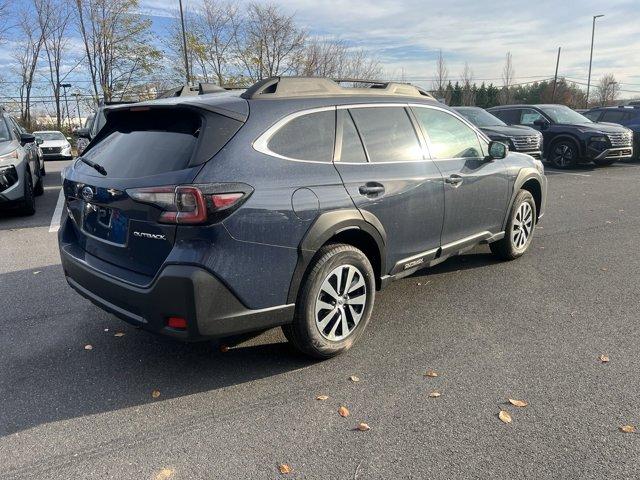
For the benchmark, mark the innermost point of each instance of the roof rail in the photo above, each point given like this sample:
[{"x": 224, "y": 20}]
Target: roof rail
[{"x": 284, "y": 87}]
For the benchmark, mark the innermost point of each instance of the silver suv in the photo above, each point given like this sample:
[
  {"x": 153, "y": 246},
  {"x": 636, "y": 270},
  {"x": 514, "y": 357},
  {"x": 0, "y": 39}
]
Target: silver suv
[{"x": 20, "y": 169}]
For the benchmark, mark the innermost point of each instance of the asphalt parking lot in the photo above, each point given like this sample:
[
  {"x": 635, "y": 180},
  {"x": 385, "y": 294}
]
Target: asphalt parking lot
[{"x": 532, "y": 329}]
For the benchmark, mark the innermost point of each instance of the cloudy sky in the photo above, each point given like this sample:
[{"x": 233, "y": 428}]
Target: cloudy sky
[{"x": 406, "y": 35}]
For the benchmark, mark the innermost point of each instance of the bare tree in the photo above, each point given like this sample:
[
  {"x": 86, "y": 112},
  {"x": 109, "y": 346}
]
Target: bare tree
[
  {"x": 27, "y": 54},
  {"x": 269, "y": 42},
  {"x": 5, "y": 26},
  {"x": 468, "y": 92},
  {"x": 219, "y": 25},
  {"x": 441, "y": 78},
  {"x": 118, "y": 44},
  {"x": 607, "y": 90},
  {"x": 323, "y": 57},
  {"x": 54, "y": 17},
  {"x": 508, "y": 74}
]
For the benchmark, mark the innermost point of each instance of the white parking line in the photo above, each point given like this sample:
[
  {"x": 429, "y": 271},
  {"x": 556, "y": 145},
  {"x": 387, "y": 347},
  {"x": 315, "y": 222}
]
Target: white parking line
[
  {"x": 555, "y": 172},
  {"x": 57, "y": 213}
]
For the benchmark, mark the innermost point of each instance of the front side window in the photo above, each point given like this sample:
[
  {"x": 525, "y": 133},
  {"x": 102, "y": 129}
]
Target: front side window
[
  {"x": 528, "y": 116},
  {"x": 307, "y": 137},
  {"x": 449, "y": 136},
  {"x": 4, "y": 131},
  {"x": 510, "y": 117},
  {"x": 593, "y": 116},
  {"x": 388, "y": 134},
  {"x": 613, "y": 116}
]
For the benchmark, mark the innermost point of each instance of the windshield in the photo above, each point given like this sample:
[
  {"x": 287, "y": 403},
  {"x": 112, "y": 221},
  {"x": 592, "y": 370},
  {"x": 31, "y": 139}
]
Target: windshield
[
  {"x": 49, "y": 135},
  {"x": 563, "y": 114},
  {"x": 4, "y": 131},
  {"x": 480, "y": 117}
]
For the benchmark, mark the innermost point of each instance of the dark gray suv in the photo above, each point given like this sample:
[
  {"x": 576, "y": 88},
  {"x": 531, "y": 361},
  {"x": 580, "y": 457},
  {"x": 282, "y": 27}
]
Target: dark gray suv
[{"x": 288, "y": 204}]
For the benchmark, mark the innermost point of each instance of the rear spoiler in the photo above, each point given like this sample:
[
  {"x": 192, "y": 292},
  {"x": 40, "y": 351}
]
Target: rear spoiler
[{"x": 240, "y": 117}]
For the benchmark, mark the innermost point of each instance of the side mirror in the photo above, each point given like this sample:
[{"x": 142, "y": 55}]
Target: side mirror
[
  {"x": 497, "y": 151},
  {"x": 82, "y": 133},
  {"x": 27, "y": 138},
  {"x": 540, "y": 122},
  {"x": 39, "y": 141}
]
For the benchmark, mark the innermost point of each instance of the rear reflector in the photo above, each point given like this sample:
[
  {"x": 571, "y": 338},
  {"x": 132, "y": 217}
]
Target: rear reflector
[{"x": 178, "y": 323}]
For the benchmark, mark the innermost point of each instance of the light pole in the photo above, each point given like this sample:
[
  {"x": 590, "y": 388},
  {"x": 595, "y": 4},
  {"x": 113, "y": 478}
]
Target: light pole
[
  {"x": 77, "y": 95},
  {"x": 66, "y": 102},
  {"x": 593, "y": 31}
]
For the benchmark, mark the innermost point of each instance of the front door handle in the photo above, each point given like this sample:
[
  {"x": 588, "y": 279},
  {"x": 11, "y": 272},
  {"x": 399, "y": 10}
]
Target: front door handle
[
  {"x": 371, "y": 189},
  {"x": 454, "y": 180}
]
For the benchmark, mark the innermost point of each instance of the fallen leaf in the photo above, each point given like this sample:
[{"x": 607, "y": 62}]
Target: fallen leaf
[
  {"x": 435, "y": 394},
  {"x": 106, "y": 329},
  {"x": 284, "y": 468},
  {"x": 155, "y": 393},
  {"x": 322, "y": 397},
  {"x": 353, "y": 378},
  {"x": 36, "y": 272},
  {"x": 118, "y": 334},
  {"x": 621, "y": 210},
  {"x": 608, "y": 221},
  {"x": 88, "y": 347},
  {"x": 628, "y": 429},
  {"x": 541, "y": 248},
  {"x": 604, "y": 269},
  {"x": 343, "y": 411},
  {"x": 504, "y": 416},
  {"x": 518, "y": 403},
  {"x": 224, "y": 348},
  {"x": 603, "y": 358},
  {"x": 164, "y": 474},
  {"x": 363, "y": 427},
  {"x": 431, "y": 373}
]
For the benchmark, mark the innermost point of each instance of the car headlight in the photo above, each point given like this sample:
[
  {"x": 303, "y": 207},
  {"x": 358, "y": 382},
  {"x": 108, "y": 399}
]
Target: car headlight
[
  {"x": 599, "y": 138},
  {"x": 9, "y": 156}
]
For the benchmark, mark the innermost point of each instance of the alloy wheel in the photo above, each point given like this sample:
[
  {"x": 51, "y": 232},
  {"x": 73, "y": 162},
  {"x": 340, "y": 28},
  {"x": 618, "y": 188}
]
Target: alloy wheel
[
  {"x": 563, "y": 155},
  {"x": 522, "y": 225},
  {"x": 340, "y": 303}
]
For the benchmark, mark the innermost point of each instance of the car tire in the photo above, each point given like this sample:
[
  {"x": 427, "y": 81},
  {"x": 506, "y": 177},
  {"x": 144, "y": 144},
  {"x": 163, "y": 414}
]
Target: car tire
[
  {"x": 43, "y": 170},
  {"x": 39, "y": 188},
  {"x": 28, "y": 206},
  {"x": 607, "y": 162},
  {"x": 520, "y": 228},
  {"x": 563, "y": 154},
  {"x": 326, "y": 332}
]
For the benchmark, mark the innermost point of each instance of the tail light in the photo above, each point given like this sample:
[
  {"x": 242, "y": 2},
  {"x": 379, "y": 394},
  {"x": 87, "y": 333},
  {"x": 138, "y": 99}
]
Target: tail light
[{"x": 193, "y": 204}]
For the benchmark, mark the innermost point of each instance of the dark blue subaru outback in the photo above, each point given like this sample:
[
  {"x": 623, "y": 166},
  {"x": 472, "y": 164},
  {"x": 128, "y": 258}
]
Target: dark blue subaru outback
[{"x": 287, "y": 205}]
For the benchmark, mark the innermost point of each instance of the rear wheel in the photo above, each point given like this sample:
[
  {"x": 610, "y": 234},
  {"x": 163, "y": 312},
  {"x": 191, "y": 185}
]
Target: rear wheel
[
  {"x": 563, "y": 154},
  {"x": 335, "y": 302},
  {"x": 519, "y": 232}
]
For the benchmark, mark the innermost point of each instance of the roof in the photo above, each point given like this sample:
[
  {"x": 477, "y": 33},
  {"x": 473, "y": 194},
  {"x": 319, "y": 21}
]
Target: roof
[
  {"x": 49, "y": 131},
  {"x": 296, "y": 87}
]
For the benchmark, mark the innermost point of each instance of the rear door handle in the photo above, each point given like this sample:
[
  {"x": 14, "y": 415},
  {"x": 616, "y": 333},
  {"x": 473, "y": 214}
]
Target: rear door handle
[
  {"x": 371, "y": 189},
  {"x": 454, "y": 180}
]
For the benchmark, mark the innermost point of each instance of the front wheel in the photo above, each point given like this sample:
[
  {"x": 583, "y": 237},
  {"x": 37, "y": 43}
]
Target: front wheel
[
  {"x": 563, "y": 154},
  {"x": 28, "y": 206},
  {"x": 520, "y": 227},
  {"x": 335, "y": 302}
]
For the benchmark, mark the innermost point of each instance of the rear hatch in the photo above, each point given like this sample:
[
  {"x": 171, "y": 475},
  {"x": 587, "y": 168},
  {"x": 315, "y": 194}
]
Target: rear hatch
[{"x": 141, "y": 146}]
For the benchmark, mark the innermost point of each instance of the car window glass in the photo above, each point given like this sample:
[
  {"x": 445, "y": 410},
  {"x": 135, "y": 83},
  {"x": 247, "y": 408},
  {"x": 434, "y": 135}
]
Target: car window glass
[
  {"x": 352, "y": 150},
  {"x": 593, "y": 116},
  {"x": 4, "y": 131},
  {"x": 510, "y": 117},
  {"x": 614, "y": 116},
  {"x": 449, "y": 137},
  {"x": 387, "y": 133},
  {"x": 307, "y": 137},
  {"x": 528, "y": 116}
]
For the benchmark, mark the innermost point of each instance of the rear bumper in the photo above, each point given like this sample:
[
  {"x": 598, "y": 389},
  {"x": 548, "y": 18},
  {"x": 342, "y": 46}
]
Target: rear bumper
[
  {"x": 56, "y": 156},
  {"x": 187, "y": 291}
]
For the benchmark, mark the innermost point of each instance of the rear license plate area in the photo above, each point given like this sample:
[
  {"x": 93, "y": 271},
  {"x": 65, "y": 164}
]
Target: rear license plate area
[{"x": 104, "y": 223}]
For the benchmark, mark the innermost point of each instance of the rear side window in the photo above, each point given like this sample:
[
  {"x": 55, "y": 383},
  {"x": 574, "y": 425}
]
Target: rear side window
[
  {"x": 510, "y": 117},
  {"x": 449, "y": 136},
  {"x": 613, "y": 116},
  {"x": 387, "y": 133},
  {"x": 352, "y": 150},
  {"x": 139, "y": 144},
  {"x": 307, "y": 137}
]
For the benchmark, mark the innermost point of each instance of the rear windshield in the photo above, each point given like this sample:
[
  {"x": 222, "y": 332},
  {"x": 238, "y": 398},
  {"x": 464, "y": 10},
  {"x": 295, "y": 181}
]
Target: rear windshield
[{"x": 139, "y": 144}]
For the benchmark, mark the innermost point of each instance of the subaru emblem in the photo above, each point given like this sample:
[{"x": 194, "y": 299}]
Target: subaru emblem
[{"x": 87, "y": 194}]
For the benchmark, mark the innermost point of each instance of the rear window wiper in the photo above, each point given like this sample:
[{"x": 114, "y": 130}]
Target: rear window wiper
[{"x": 96, "y": 166}]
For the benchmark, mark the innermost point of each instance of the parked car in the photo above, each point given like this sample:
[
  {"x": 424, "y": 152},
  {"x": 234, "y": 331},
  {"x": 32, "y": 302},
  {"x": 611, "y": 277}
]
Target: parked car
[
  {"x": 82, "y": 142},
  {"x": 55, "y": 146},
  {"x": 569, "y": 137},
  {"x": 519, "y": 138},
  {"x": 191, "y": 218},
  {"x": 20, "y": 176},
  {"x": 626, "y": 115}
]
